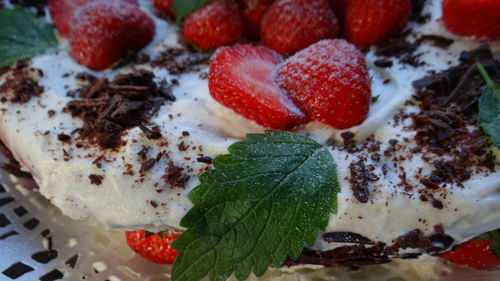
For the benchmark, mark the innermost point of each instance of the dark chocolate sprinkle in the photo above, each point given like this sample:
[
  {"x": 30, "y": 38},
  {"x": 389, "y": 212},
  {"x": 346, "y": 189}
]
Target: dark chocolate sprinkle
[
  {"x": 205, "y": 159},
  {"x": 359, "y": 181},
  {"x": 96, "y": 179},
  {"x": 147, "y": 165},
  {"x": 346, "y": 237}
]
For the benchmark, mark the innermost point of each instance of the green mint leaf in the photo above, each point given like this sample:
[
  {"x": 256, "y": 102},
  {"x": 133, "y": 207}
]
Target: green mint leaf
[
  {"x": 23, "y": 35},
  {"x": 494, "y": 237},
  {"x": 182, "y": 8},
  {"x": 262, "y": 203},
  {"x": 489, "y": 108}
]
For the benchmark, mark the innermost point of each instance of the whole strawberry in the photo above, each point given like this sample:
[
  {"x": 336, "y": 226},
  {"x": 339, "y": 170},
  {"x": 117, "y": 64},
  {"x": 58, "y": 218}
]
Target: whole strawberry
[
  {"x": 217, "y": 24},
  {"x": 291, "y": 25},
  {"x": 61, "y": 12},
  {"x": 480, "y": 18},
  {"x": 339, "y": 7},
  {"x": 253, "y": 12},
  {"x": 369, "y": 22},
  {"x": 329, "y": 82},
  {"x": 104, "y": 31},
  {"x": 474, "y": 253},
  {"x": 154, "y": 247},
  {"x": 242, "y": 78}
]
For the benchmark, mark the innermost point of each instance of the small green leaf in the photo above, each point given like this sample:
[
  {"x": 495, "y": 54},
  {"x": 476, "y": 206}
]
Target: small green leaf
[
  {"x": 23, "y": 35},
  {"x": 494, "y": 237},
  {"x": 183, "y": 8},
  {"x": 262, "y": 203},
  {"x": 375, "y": 98},
  {"x": 489, "y": 108}
]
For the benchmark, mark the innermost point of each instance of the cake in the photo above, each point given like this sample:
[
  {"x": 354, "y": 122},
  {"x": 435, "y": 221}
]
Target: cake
[{"x": 125, "y": 146}]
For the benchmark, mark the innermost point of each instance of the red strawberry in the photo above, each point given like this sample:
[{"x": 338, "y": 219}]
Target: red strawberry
[
  {"x": 164, "y": 7},
  {"x": 291, "y": 25},
  {"x": 329, "y": 82},
  {"x": 253, "y": 12},
  {"x": 62, "y": 11},
  {"x": 154, "y": 247},
  {"x": 474, "y": 253},
  {"x": 217, "y": 24},
  {"x": 339, "y": 7},
  {"x": 104, "y": 31},
  {"x": 369, "y": 22},
  {"x": 242, "y": 78},
  {"x": 479, "y": 18}
]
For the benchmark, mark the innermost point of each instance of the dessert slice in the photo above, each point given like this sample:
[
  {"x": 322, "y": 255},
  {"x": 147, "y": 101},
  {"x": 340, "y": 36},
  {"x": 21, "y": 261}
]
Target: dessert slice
[{"x": 131, "y": 147}]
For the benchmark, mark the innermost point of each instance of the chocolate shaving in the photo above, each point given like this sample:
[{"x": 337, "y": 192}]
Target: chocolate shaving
[
  {"x": 400, "y": 48},
  {"x": 181, "y": 60},
  {"x": 96, "y": 179},
  {"x": 182, "y": 146},
  {"x": 64, "y": 138},
  {"x": 174, "y": 175},
  {"x": 147, "y": 165},
  {"x": 449, "y": 105},
  {"x": 205, "y": 159},
  {"x": 374, "y": 253},
  {"x": 360, "y": 176},
  {"x": 110, "y": 107},
  {"x": 152, "y": 133},
  {"x": 352, "y": 256},
  {"x": 437, "y": 40},
  {"x": 383, "y": 63},
  {"x": 429, "y": 184},
  {"x": 346, "y": 237},
  {"x": 21, "y": 84}
]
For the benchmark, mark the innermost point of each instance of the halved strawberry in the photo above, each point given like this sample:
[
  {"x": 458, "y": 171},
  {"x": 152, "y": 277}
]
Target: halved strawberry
[
  {"x": 217, "y": 24},
  {"x": 329, "y": 82},
  {"x": 154, "y": 247},
  {"x": 105, "y": 30},
  {"x": 242, "y": 78},
  {"x": 291, "y": 25}
]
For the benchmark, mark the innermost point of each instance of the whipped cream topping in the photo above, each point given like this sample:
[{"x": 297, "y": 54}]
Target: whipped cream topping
[{"x": 196, "y": 126}]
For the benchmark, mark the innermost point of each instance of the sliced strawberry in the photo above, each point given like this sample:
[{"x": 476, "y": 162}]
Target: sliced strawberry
[
  {"x": 154, "y": 247},
  {"x": 105, "y": 31},
  {"x": 474, "y": 253},
  {"x": 253, "y": 12},
  {"x": 164, "y": 7},
  {"x": 242, "y": 78},
  {"x": 217, "y": 24},
  {"x": 369, "y": 22},
  {"x": 479, "y": 18},
  {"x": 61, "y": 12},
  {"x": 329, "y": 82},
  {"x": 291, "y": 25}
]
